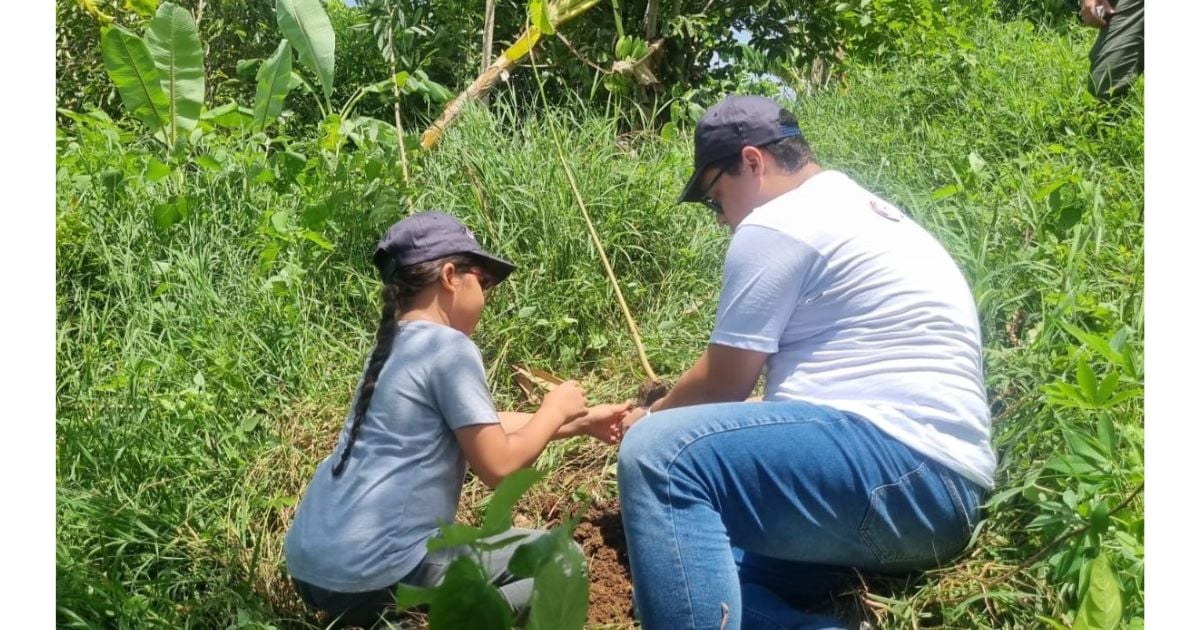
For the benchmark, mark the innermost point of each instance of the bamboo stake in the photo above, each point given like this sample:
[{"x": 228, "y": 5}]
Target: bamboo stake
[{"x": 612, "y": 277}]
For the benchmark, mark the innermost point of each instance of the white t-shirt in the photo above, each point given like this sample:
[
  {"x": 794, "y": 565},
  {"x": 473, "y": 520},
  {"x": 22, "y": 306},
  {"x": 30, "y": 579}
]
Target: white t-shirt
[{"x": 861, "y": 310}]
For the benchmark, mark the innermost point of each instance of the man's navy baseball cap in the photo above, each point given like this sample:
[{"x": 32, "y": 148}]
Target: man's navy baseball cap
[
  {"x": 427, "y": 236},
  {"x": 733, "y": 123}
]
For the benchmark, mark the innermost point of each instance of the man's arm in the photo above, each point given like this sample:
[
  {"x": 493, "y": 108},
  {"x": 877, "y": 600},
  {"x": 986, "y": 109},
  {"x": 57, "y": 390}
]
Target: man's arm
[
  {"x": 759, "y": 295},
  {"x": 721, "y": 374}
]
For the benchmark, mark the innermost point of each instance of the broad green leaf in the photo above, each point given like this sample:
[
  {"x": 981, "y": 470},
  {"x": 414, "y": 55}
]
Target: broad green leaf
[
  {"x": 1100, "y": 608},
  {"x": 1069, "y": 216},
  {"x": 111, "y": 177},
  {"x": 171, "y": 212},
  {"x": 237, "y": 118},
  {"x": 408, "y": 596},
  {"x": 298, "y": 81},
  {"x": 1106, "y": 433},
  {"x": 307, "y": 27},
  {"x": 1050, "y": 623},
  {"x": 1072, "y": 465},
  {"x": 385, "y": 86},
  {"x": 248, "y": 67},
  {"x": 998, "y": 498},
  {"x": 539, "y": 16},
  {"x": 529, "y": 557},
  {"x": 1095, "y": 342},
  {"x": 498, "y": 516},
  {"x": 669, "y": 131},
  {"x": 156, "y": 170},
  {"x": 144, "y": 8},
  {"x": 1049, "y": 189},
  {"x": 1086, "y": 378},
  {"x": 1065, "y": 395},
  {"x": 560, "y": 589},
  {"x": 174, "y": 44},
  {"x": 454, "y": 535},
  {"x": 217, "y": 112},
  {"x": 289, "y": 163},
  {"x": 1124, "y": 395},
  {"x": 466, "y": 599},
  {"x": 128, "y": 63},
  {"x": 318, "y": 240},
  {"x": 333, "y": 131},
  {"x": 274, "y": 81},
  {"x": 368, "y": 131},
  {"x": 280, "y": 221},
  {"x": 1081, "y": 445},
  {"x": 1127, "y": 363},
  {"x": 1107, "y": 387},
  {"x": 948, "y": 190},
  {"x": 420, "y": 83},
  {"x": 521, "y": 47},
  {"x": 1100, "y": 517},
  {"x": 208, "y": 162},
  {"x": 1119, "y": 340},
  {"x": 315, "y": 215}
]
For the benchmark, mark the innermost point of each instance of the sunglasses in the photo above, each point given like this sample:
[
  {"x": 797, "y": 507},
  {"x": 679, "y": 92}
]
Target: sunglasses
[
  {"x": 485, "y": 281},
  {"x": 711, "y": 203}
]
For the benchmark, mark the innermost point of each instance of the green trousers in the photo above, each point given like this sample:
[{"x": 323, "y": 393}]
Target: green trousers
[{"x": 1119, "y": 54}]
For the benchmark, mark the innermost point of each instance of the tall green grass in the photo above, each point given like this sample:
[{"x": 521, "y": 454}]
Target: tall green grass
[{"x": 203, "y": 370}]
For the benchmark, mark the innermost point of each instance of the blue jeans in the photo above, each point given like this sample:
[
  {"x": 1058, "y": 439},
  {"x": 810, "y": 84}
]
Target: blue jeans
[{"x": 751, "y": 510}]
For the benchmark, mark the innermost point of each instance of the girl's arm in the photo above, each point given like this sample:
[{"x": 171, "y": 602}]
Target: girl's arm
[
  {"x": 494, "y": 451},
  {"x": 601, "y": 422}
]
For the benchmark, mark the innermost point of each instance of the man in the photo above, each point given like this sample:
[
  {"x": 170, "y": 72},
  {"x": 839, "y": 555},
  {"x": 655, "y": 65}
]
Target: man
[
  {"x": 872, "y": 446},
  {"x": 1119, "y": 54}
]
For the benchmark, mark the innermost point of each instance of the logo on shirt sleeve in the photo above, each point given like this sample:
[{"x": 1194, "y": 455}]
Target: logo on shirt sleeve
[{"x": 886, "y": 211}]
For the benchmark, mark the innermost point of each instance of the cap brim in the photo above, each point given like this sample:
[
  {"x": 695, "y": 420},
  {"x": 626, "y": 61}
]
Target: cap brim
[
  {"x": 498, "y": 268},
  {"x": 691, "y": 192}
]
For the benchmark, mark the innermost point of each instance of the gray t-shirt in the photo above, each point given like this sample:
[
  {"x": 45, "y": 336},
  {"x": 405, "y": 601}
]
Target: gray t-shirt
[{"x": 367, "y": 529}]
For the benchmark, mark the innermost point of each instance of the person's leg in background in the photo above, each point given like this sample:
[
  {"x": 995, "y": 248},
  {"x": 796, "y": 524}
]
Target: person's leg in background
[{"x": 1119, "y": 56}]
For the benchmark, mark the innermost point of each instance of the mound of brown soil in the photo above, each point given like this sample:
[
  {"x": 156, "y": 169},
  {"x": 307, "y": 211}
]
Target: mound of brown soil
[{"x": 603, "y": 541}]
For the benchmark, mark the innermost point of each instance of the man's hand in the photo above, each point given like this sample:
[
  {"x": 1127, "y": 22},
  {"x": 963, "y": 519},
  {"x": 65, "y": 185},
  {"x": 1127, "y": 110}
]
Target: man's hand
[
  {"x": 602, "y": 422},
  {"x": 632, "y": 417},
  {"x": 1087, "y": 11}
]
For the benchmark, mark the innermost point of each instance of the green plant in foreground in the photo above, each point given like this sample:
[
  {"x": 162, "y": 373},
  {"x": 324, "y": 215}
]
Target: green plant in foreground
[{"x": 466, "y": 599}]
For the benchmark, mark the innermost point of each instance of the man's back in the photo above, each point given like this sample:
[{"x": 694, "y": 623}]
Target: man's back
[{"x": 865, "y": 312}]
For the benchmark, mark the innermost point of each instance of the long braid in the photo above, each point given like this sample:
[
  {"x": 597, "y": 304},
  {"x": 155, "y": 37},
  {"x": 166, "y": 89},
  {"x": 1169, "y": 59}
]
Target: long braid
[{"x": 388, "y": 328}]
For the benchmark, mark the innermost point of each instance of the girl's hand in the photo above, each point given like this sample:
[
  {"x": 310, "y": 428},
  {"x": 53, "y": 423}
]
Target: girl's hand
[
  {"x": 568, "y": 400},
  {"x": 602, "y": 422}
]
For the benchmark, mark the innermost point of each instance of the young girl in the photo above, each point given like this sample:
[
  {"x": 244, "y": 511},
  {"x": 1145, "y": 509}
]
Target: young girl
[{"x": 422, "y": 412}]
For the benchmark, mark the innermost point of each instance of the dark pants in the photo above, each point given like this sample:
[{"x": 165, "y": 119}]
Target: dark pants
[
  {"x": 1119, "y": 55},
  {"x": 365, "y": 609}
]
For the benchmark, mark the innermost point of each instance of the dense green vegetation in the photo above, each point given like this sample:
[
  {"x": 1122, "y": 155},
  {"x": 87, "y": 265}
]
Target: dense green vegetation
[{"x": 215, "y": 299}]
